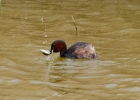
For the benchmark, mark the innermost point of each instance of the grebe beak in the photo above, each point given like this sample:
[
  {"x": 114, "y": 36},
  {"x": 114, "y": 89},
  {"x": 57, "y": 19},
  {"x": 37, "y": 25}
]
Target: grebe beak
[{"x": 51, "y": 51}]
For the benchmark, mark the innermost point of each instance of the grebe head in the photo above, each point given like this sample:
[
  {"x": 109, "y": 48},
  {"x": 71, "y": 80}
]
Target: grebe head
[{"x": 58, "y": 46}]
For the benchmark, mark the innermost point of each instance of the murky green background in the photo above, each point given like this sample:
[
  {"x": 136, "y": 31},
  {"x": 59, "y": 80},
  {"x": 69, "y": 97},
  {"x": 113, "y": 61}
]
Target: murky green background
[{"x": 112, "y": 26}]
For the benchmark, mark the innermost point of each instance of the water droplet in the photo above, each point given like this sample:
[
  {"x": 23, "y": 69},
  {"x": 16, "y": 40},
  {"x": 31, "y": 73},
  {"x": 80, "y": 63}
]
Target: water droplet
[
  {"x": 45, "y": 42},
  {"x": 42, "y": 20},
  {"x": 45, "y": 35}
]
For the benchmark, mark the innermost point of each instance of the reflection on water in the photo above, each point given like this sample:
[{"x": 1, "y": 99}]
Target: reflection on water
[{"x": 28, "y": 26}]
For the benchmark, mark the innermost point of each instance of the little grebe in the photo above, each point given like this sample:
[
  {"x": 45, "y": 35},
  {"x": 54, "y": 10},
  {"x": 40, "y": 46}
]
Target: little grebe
[{"x": 77, "y": 50}]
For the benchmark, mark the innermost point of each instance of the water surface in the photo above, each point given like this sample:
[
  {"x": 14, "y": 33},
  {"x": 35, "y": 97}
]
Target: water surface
[{"x": 28, "y": 26}]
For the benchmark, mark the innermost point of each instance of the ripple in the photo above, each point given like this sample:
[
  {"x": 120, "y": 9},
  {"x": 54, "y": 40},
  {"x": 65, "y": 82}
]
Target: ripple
[
  {"x": 37, "y": 82},
  {"x": 43, "y": 99},
  {"x": 134, "y": 89},
  {"x": 3, "y": 68},
  {"x": 14, "y": 81},
  {"x": 1, "y": 81},
  {"x": 111, "y": 85}
]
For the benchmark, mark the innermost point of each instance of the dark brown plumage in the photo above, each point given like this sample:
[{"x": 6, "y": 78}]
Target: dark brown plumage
[{"x": 77, "y": 50}]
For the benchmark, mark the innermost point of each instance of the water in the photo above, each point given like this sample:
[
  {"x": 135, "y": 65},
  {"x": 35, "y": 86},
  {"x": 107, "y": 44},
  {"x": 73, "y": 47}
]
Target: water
[{"x": 28, "y": 26}]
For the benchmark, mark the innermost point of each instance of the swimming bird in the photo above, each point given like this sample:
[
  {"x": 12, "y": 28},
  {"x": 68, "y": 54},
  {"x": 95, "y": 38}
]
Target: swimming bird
[{"x": 77, "y": 50}]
